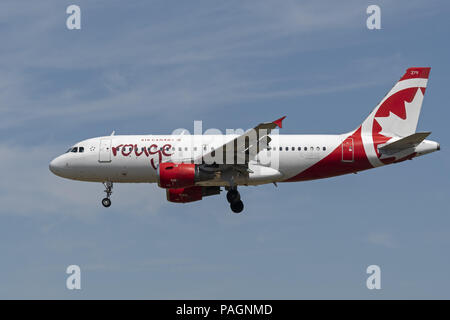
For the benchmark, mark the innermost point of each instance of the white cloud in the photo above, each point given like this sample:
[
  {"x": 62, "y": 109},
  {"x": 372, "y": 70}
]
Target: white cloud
[{"x": 148, "y": 65}]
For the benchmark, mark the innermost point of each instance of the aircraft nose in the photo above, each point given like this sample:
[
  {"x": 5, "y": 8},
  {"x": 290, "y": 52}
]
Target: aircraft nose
[{"x": 55, "y": 166}]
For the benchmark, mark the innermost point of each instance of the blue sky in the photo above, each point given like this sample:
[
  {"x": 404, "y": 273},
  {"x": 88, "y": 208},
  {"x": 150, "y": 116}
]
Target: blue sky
[{"x": 154, "y": 66}]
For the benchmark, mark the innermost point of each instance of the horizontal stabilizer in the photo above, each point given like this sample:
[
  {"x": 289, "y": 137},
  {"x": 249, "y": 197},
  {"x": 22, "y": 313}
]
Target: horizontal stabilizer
[{"x": 404, "y": 143}]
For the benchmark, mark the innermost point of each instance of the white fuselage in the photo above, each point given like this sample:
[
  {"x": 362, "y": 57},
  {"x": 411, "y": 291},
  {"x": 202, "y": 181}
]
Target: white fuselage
[{"x": 289, "y": 155}]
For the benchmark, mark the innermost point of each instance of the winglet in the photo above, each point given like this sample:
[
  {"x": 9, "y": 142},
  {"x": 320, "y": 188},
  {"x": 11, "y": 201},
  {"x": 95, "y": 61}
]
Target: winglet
[{"x": 279, "y": 122}]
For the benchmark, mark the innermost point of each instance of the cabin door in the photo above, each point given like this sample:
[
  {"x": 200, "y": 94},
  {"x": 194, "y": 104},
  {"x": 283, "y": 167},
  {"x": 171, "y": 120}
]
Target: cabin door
[
  {"x": 348, "y": 150},
  {"x": 105, "y": 150}
]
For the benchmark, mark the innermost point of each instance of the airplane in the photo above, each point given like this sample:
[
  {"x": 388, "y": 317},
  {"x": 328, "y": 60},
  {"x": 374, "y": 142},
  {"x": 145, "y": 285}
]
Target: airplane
[{"x": 191, "y": 167}]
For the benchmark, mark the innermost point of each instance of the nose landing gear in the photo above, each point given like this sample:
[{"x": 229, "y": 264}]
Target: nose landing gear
[
  {"x": 106, "y": 202},
  {"x": 234, "y": 198}
]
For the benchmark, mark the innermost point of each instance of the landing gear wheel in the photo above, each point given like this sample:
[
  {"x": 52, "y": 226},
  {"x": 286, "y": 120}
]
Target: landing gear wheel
[
  {"x": 108, "y": 190},
  {"x": 106, "y": 202},
  {"x": 237, "y": 206},
  {"x": 233, "y": 195}
]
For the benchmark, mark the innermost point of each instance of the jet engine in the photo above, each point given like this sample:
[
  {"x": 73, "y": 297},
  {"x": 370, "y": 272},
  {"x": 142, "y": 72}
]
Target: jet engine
[
  {"x": 181, "y": 175},
  {"x": 176, "y": 175}
]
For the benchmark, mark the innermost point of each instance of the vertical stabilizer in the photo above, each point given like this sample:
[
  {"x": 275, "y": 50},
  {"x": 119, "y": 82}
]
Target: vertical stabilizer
[{"x": 398, "y": 113}]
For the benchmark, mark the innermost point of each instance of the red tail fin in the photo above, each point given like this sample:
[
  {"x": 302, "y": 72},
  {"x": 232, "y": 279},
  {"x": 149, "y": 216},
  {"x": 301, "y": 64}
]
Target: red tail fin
[{"x": 398, "y": 113}]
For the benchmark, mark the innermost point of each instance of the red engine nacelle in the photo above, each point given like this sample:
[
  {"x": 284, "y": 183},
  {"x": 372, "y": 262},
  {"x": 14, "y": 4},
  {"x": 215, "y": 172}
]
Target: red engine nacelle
[
  {"x": 183, "y": 195},
  {"x": 176, "y": 175}
]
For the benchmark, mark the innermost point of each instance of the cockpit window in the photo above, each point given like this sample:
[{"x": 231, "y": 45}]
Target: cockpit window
[{"x": 75, "y": 149}]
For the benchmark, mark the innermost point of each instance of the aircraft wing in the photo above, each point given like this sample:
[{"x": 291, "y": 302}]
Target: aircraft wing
[
  {"x": 410, "y": 141},
  {"x": 240, "y": 150}
]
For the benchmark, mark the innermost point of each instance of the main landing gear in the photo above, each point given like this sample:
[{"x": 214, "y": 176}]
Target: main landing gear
[
  {"x": 234, "y": 198},
  {"x": 106, "y": 202}
]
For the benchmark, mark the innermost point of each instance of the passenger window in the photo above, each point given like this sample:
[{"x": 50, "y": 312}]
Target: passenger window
[
  {"x": 324, "y": 148},
  {"x": 185, "y": 149},
  {"x": 195, "y": 148},
  {"x": 81, "y": 149},
  {"x": 75, "y": 149},
  {"x": 293, "y": 148},
  {"x": 287, "y": 148},
  {"x": 299, "y": 148},
  {"x": 311, "y": 148},
  {"x": 281, "y": 148},
  {"x": 179, "y": 149},
  {"x": 305, "y": 148},
  {"x": 318, "y": 149}
]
